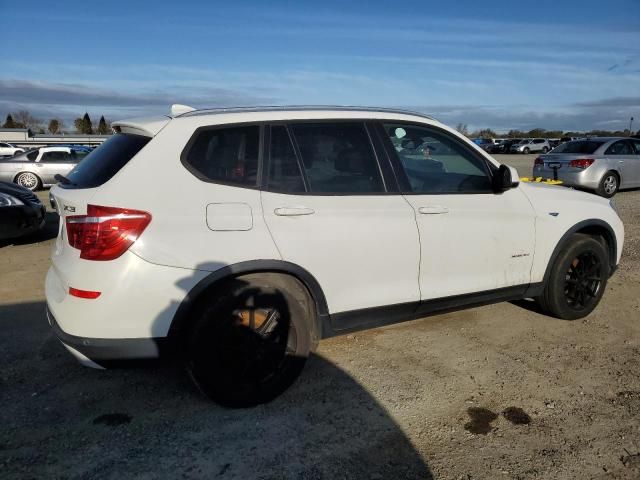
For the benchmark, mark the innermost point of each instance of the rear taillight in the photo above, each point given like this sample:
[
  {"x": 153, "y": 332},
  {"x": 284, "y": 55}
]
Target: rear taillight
[
  {"x": 538, "y": 161},
  {"x": 105, "y": 233},
  {"x": 581, "y": 162}
]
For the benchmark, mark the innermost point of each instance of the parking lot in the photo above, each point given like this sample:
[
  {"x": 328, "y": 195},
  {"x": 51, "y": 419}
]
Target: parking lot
[{"x": 499, "y": 391}]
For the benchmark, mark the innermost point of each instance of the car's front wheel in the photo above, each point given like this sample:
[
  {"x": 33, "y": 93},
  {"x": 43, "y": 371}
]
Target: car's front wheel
[
  {"x": 609, "y": 185},
  {"x": 577, "y": 279},
  {"x": 525, "y": 150},
  {"x": 545, "y": 149},
  {"x": 250, "y": 343},
  {"x": 28, "y": 180}
]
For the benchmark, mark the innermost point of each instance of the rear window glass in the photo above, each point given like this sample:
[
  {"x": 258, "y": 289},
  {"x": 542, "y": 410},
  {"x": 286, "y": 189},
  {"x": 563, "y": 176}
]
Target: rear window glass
[
  {"x": 32, "y": 155},
  {"x": 226, "y": 155},
  {"x": 105, "y": 161},
  {"x": 579, "y": 146}
]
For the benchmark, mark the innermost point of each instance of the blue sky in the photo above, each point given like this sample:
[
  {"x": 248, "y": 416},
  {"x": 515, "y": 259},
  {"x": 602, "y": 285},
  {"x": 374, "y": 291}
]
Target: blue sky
[{"x": 567, "y": 65}]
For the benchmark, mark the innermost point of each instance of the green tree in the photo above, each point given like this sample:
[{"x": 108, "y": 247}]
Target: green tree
[
  {"x": 87, "y": 126},
  {"x": 516, "y": 134},
  {"x": 9, "y": 123},
  {"x": 78, "y": 123},
  {"x": 103, "y": 127},
  {"x": 54, "y": 126}
]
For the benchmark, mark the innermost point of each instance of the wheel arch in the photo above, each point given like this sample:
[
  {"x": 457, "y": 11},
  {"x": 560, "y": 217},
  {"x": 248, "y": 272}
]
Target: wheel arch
[
  {"x": 181, "y": 320},
  {"x": 594, "y": 227}
]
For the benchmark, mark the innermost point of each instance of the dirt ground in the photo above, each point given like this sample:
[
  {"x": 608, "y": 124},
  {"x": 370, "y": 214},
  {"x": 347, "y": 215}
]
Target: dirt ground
[{"x": 494, "y": 392}]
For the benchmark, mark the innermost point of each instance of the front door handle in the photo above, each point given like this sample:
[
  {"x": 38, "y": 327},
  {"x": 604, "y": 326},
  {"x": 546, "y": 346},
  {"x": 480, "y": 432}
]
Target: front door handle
[
  {"x": 293, "y": 211},
  {"x": 433, "y": 210}
]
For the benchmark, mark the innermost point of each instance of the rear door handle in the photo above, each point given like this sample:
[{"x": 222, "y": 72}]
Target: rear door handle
[
  {"x": 293, "y": 211},
  {"x": 433, "y": 210}
]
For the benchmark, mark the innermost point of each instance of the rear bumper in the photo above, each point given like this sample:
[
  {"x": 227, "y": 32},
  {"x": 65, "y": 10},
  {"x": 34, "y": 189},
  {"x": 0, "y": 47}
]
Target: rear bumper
[
  {"x": 103, "y": 352},
  {"x": 587, "y": 178}
]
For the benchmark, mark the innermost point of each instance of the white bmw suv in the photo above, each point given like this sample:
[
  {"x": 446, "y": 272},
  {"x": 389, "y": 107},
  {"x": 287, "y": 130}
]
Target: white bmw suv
[{"x": 236, "y": 239}]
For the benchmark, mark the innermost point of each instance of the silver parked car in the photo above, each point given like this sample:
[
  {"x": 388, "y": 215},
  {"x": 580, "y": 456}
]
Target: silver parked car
[
  {"x": 37, "y": 168},
  {"x": 531, "y": 145},
  {"x": 600, "y": 164}
]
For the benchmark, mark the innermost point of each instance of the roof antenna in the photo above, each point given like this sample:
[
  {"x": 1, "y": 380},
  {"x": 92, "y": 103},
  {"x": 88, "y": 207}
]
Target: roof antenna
[{"x": 178, "y": 109}]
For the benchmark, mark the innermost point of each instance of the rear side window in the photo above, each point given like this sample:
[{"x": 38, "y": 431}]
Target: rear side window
[
  {"x": 337, "y": 158},
  {"x": 105, "y": 161},
  {"x": 32, "y": 155},
  {"x": 226, "y": 155}
]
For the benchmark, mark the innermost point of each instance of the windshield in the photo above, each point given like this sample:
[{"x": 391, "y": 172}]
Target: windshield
[{"x": 579, "y": 146}]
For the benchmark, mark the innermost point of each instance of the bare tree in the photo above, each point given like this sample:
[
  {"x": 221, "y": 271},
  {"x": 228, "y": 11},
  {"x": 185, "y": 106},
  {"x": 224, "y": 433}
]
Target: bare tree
[
  {"x": 463, "y": 129},
  {"x": 25, "y": 118}
]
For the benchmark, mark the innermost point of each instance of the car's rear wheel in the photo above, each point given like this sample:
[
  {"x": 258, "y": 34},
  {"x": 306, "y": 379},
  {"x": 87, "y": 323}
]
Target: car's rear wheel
[
  {"x": 250, "y": 343},
  {"x": 525, "y": 150},
  {"x": 28, "y": 180},
  {"x": 609, "y": 185},
  {"x": 545, "y": 149},
  {"x": 577, "y": 279}
]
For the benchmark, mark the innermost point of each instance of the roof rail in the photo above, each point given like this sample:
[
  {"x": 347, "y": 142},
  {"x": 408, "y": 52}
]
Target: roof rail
[{"x": 298, "y": 108}]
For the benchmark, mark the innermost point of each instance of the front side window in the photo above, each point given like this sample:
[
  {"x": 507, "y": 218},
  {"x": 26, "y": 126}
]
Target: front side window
[
  {"x": 619, "y": 148},
  {"x": 636, "y": 144},
  {"x": 227, "y": 155},
  {"x": 436, "y": 163},
  {"x": 337, "y": 158}
]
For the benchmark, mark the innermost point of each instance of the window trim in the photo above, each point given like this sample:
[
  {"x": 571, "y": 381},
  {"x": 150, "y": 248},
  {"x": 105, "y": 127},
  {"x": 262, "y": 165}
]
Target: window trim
[
  {"x": 404, "y": 186},
  {"x": 377, "y": 155},
  {"x": 187, "y": 148}
]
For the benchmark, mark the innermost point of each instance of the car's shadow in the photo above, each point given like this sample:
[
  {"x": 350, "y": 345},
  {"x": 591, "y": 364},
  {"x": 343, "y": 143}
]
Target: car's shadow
[
  {"x": 48, "y": 231},
  {"x": 60, "y": 419}
]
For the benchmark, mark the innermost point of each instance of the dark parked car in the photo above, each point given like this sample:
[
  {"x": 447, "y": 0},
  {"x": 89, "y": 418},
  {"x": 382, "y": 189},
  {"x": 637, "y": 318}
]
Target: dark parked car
[
  {"x": 504, "y": 146},
  {"x": 21, "y": 212}
]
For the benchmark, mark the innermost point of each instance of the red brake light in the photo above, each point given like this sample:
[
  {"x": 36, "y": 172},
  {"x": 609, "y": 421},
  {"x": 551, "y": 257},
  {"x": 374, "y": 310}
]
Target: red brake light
[
  {"x": 538, "y": 161},
  {"x": 105, "y": 233},
  {"x": 581, "y": 162},
  {"x": 83, "y": 293}
]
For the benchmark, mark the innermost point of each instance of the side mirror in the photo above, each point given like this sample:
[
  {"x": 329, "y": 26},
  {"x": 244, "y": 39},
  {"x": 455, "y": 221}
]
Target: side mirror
[{"x": 505, "y": 178}]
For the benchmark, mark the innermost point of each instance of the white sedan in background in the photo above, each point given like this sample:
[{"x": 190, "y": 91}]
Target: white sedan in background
[{"x": 9, "y": 150}]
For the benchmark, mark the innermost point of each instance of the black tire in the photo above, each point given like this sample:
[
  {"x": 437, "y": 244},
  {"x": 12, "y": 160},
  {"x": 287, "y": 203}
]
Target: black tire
[
  {"x": 525, "y": 150},
  {"x": 577, "y": 279},
  {"x": 250, "y": 343},
  {"x": 545, "y": 149},
  {"x": 609, "y": 185},
  {"x": 28, "y": 180}
]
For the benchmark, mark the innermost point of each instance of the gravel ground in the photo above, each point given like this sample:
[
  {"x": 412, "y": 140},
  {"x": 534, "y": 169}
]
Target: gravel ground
[{"x": 494, "y": 392}]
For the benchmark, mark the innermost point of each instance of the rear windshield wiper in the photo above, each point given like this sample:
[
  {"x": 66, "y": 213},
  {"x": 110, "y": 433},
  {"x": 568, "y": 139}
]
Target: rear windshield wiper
[{"x": 64, "y": 180}]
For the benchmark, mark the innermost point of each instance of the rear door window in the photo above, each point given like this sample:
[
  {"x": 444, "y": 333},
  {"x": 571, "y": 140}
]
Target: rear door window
[
  {"x": 105, "y": 161},
  {"x": 284, "y": 170},
  {"x": 621, "y": 147},
  {"x": 225, "y": 155},
  {"x": 337, "y": 158},
  {"x": 55, "y": 157}
]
